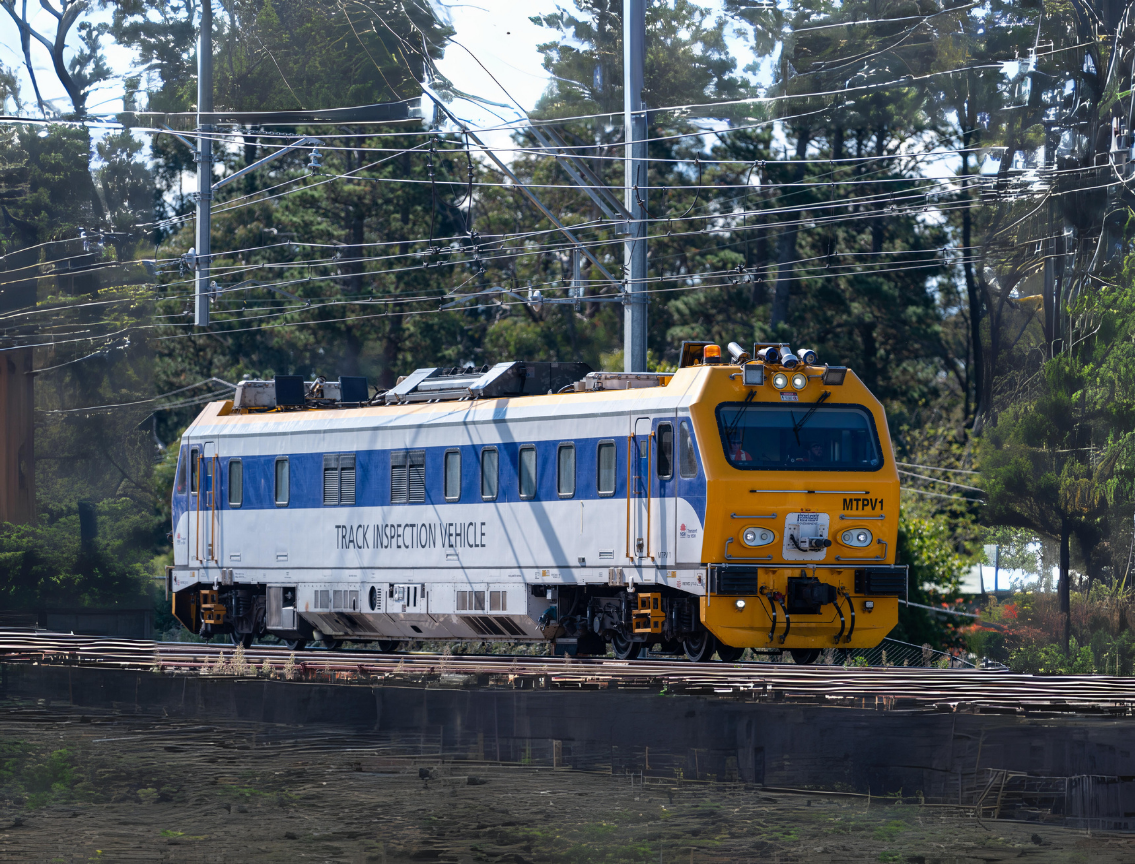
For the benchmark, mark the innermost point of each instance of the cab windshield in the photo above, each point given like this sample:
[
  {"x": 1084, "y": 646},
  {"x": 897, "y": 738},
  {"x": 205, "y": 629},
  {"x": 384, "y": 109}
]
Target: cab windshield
[{"x": 799, "y": 437}]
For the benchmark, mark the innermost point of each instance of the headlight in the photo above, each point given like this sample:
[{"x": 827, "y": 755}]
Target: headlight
[
  {"x": 757, "y": 537},
  {"x": 779, "y": 380},
  {"x": 799, "y": 380},
  {"x": 740, "y": 604},
  {"x": 857, "y": 537}
]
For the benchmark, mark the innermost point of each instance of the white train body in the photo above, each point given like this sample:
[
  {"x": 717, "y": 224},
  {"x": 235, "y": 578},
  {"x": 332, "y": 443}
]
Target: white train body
[{"x": 359, "y": 547}]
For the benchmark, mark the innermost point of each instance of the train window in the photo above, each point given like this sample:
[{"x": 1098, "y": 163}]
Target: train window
[
  {"x": 339, "y": 478},
  {"x": 526, "y": 474},
  {"x": 236, "y": 483},
  {"x": 283, "y": 482},
  {"x": 489, "y": 474},
  {"x": 181, "y": 473},
  {"x": 605, "y": 477},
  {"x": 762, "y": 436},
  {"x": 664, "y": 462},
  {"x": 565, "y": 470},
  {"x": 478, "y": 601},
  {"x": 407, "y": 476},
  {"x": 687, "y": 463},
  {"x": 452, "y": 475},
  {"x": 498, "y": 601},
  {"x": 194, "y": 469}
]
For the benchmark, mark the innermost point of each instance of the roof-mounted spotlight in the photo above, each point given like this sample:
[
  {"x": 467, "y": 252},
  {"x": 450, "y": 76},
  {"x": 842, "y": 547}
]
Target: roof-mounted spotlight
[
  {"x": 769, "y": 355},
  {"x": 789, "y": 361},
  {"x": 807, "y": 356},
  {"x": 752, "y": 374},
  {"x": 834, "y": 375},
  {"x": 739, "y": 354}
]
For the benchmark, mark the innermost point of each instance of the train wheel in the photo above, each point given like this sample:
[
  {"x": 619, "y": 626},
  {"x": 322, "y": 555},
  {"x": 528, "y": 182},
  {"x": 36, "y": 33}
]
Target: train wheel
[
  {"x": 804, "y": 656},
  {"x": 244, "y": 640},
  {"x": 330, "y": 643},
  {"x": 728, "y": 653},
  {"x": 699, "y": 648},
  {"x": 388, "y": 646},
  {"x": 624, "y": 648},
  {"x": 296, "y": 644}
]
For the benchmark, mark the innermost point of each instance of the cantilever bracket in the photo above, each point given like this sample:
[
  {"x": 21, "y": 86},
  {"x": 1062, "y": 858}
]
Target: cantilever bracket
[{"x": 303, "y": 142}]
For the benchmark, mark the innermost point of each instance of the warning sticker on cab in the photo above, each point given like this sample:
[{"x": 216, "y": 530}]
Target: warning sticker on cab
[{"x": 789, "y": 397}]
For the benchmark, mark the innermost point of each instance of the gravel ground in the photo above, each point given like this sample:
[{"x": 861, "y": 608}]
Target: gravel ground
[{"x": 119, "y": 788}]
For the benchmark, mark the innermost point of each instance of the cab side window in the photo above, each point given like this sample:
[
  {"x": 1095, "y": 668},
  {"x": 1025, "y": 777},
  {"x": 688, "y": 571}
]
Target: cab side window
[
  {"x": 665, "y": 460},
  {"x": 181, "y": 472},
  {"x": 194, "y": 469},
  {"x": 687, "y": 462}
]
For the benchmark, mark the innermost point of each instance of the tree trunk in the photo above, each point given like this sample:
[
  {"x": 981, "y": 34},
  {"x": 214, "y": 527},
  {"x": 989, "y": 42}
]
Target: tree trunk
[{"x": 1063, "y": 587}]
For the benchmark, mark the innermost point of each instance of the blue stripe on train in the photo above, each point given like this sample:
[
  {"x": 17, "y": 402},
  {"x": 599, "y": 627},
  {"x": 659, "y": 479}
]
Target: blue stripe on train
[{"x": 372, "y": 476}]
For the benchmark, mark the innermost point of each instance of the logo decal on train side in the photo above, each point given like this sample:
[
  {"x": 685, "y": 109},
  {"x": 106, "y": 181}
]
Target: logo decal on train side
[
  {"x": 411, "y": 535},
  {"x": 862, "y": 504}
]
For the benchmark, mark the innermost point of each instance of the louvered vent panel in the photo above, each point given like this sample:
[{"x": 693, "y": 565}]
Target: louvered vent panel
[
  {"x": 399, "y": 477},
  {"x": 347, "y": 479},
  {"x": 417, "y": 476},
  {"x": 330, "y": 481}
]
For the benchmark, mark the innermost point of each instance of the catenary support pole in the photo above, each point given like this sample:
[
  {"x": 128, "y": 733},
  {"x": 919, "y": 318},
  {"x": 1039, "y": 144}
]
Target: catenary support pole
[
  {"x": 634, "y": 252},
  {"x": 204, "y": 164}
]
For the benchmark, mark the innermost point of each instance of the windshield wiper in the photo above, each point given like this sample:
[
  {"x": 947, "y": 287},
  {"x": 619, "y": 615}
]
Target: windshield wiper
[
  {"x": 798, "y": 425},
  {"x": 736, "y": 420}
]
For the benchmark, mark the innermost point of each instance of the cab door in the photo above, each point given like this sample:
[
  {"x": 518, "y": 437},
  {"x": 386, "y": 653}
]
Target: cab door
[
  {"x": 639, "y": 473},
  {"x": 203, "y": 503},
  {"x": 665, "y": 491}
]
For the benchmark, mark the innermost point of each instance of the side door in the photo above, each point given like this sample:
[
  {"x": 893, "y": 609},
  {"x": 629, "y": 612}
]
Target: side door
[
  {"x": 639, "y": 476},
  {"x": 202, "y": 503},
  {"x": 664, "y": 495}
]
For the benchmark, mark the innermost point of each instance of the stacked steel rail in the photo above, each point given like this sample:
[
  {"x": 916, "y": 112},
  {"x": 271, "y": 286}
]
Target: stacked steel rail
[{"x": 876, "y": 687}]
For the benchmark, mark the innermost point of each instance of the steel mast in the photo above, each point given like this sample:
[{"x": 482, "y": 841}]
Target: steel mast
[{"x": 635, "y": 185}]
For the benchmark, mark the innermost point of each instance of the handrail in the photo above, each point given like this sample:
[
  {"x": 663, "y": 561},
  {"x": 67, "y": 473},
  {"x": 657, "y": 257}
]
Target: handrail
[
  {"x": 755, "y": 516},
  {"x": 729, "y": 557},
  {"x": 649, "y": 453},
  {"x": 630, "y": 446},
  {"x": 882, "y": 557},
  {"x": 847, "y": 518}
]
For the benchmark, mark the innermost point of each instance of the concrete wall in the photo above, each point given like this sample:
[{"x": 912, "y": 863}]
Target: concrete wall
[{"x": 946, "y": 757}]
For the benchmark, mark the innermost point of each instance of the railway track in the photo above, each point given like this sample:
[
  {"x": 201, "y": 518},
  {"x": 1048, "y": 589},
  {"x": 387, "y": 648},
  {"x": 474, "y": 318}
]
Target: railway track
[{"x": 893, "y": 687}]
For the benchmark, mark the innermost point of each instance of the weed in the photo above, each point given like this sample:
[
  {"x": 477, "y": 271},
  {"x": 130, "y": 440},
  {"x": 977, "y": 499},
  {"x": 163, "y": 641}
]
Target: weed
[{"x": 889, "y": 831}]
